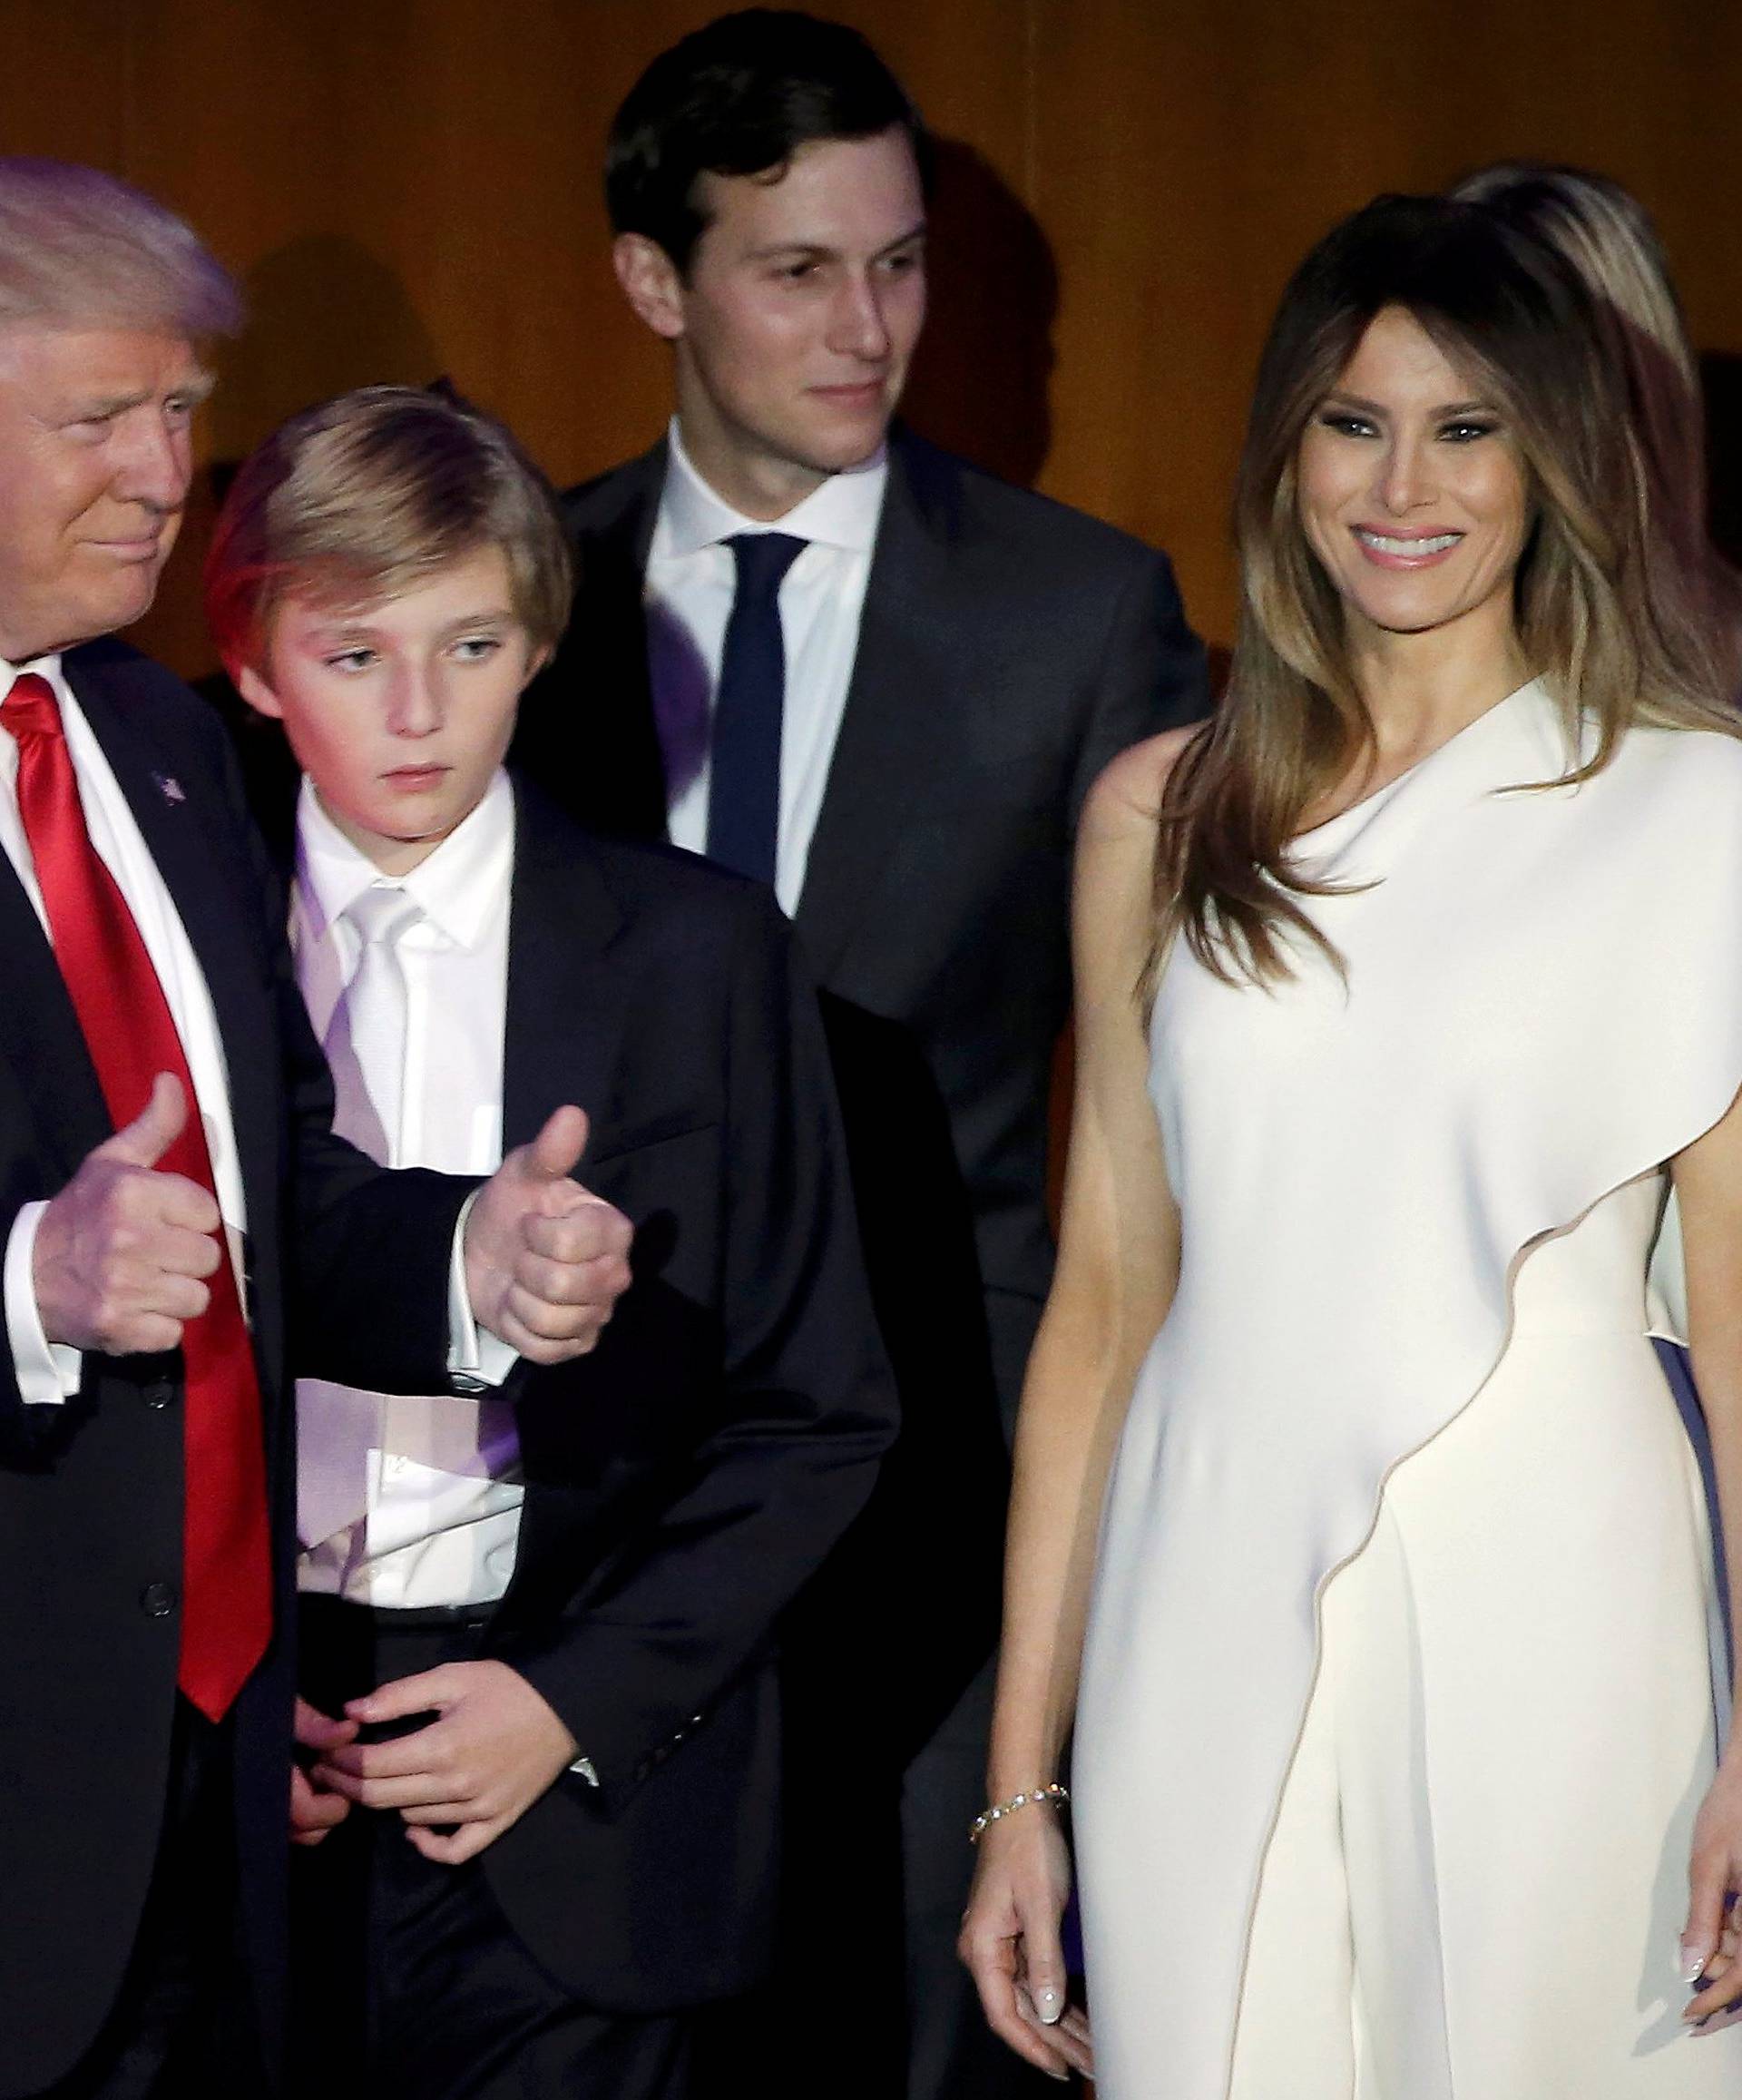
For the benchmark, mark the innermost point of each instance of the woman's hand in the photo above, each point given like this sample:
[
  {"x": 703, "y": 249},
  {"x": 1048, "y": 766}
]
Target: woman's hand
[
  {"x": 1711, "y": 1941},
  {"x": 1118, "y": 1256},
  {"x": 1010, "y": 1941}
]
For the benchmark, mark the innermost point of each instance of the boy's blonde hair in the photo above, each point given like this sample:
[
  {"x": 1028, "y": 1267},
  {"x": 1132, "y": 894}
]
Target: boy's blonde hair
[{"x": 366, "y": 495}]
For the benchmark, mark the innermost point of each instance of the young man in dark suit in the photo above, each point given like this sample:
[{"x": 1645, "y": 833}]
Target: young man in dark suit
[
  {"x": 179, "y": 1218},
  {"x": 543, "y": 1825},
  {"x": 826, "y": 653}
]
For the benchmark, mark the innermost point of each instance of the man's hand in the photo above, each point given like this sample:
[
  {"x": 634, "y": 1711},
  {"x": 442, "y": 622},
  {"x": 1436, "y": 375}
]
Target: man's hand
[
  {"x": 494, "y": 1747},
  {"x": 121, "y": 1252},
  {"x": 314, "y": 1809},
  {"x": 544, "y": 1260}
]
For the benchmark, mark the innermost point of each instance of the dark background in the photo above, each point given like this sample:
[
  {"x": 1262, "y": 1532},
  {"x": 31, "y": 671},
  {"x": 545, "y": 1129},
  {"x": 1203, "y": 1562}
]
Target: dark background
[{"x": 409, "y": 187}]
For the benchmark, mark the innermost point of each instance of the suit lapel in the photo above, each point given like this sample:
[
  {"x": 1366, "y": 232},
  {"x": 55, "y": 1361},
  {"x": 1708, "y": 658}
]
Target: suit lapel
[
  {"x": 201, "y": 872},
  {"x": 41, "y": 1038},
  {"x": 566, "y": 1008},
  {"x": 897, "y": 730}
]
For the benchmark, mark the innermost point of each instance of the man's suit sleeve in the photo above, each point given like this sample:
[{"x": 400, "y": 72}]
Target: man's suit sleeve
[
  {"x": 806, "y": 1406},
  {"x": 26, "y": 1418},
  {"x": 1152, "y": 676}
]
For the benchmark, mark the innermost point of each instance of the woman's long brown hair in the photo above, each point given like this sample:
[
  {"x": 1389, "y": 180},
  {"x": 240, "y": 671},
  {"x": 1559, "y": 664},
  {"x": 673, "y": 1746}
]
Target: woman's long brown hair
[{"x": 1617, "y": 629}]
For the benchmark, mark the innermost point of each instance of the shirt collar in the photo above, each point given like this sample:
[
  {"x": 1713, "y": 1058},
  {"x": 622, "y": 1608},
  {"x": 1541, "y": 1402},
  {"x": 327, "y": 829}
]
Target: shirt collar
[
  {"x": 458, "y": 885},
  {"x": 842, "y": 511},
  {"x": 48, "y": 667}
]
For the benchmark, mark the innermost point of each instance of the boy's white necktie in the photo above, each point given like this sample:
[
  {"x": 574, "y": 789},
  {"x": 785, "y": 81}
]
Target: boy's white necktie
[{"x": 366, "y": 1043}]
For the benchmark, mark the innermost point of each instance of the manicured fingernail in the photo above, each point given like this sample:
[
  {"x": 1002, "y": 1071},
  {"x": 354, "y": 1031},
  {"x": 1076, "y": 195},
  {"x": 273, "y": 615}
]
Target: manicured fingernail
[
  {"x": 1063, "y": 2078},
  {"x": 1693, "y": 1961},
  {"x": 1049, "y": 2005}
]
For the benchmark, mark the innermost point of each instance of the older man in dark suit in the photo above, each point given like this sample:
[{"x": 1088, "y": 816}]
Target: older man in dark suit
[
  {"x": 177, "y": 1211},
  {"x": 832, "y": 656}
]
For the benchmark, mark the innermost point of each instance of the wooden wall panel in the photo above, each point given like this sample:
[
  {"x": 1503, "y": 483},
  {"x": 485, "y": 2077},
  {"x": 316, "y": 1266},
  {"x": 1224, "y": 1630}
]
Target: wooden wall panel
[
  {"x": 1226, "y": 139},
  {"x": 44, "y": 47},
  {"x": 409, "y": 187}
]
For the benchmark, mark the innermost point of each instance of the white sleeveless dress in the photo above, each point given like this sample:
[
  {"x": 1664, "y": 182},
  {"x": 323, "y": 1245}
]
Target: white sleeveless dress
[{"x": 1400, "y": 1691}]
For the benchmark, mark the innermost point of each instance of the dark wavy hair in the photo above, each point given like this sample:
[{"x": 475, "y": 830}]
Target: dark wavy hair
[
  {"x": 1606, "y": 614},
  {"x": 739, "y": 97}
]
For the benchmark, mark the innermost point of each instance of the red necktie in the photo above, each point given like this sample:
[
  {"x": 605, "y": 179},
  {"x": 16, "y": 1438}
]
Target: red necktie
[{"x": 130, "y": 1032}]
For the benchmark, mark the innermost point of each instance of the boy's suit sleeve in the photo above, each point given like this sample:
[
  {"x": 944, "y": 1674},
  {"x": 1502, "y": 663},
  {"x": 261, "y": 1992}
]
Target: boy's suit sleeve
[{"x": 805, "y": 1410}]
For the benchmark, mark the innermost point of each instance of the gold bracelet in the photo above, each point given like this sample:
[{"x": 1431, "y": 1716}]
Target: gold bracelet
[{"x": 1052, "y": 1792}]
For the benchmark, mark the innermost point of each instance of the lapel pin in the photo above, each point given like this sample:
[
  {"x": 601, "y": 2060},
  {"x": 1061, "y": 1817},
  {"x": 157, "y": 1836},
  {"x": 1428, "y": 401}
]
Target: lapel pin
[{"x": 169, "y": 787}]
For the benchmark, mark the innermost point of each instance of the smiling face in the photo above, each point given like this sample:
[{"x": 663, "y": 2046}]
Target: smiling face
[
  {"x": 95, "y": 457},
  {"x": 399, "y": 711},
  {"x": 797, "y": 320},
  {"x": 1411, "y": 491}
]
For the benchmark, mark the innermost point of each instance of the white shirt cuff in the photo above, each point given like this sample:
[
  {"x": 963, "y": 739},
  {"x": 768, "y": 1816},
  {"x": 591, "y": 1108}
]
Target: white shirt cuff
[
  {"x": 48, "y": 1372},
  {"x": 476, "y": 1358}
]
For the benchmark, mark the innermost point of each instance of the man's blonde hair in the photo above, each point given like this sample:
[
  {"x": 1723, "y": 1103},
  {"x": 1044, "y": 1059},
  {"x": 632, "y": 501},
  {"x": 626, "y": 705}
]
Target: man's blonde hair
[
  {"x": 363, "y": 497},
  {"x": 80, "y": 249}
]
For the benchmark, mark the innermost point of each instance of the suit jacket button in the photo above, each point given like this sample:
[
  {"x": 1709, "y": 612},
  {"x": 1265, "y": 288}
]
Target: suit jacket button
[
  {"x": 157, "y": 1392},
  {"x": 158, "y": 1600}
]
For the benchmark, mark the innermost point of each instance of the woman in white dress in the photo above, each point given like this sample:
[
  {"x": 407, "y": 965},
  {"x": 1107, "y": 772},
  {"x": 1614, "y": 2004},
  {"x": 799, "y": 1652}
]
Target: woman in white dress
[{"x": 1407, "y": 993}]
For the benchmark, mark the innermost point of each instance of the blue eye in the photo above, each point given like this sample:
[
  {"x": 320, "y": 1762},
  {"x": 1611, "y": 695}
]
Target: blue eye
[{"x": 358, "y": 658}]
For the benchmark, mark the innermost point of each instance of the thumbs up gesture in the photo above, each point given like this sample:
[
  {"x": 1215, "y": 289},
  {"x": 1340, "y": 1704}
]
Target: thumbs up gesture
[
  {"x": 122, "y": 1252},
  {"x": 544, "y": 1260}
]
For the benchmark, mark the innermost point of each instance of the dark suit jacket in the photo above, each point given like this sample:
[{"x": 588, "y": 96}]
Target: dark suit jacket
[
  {"x": 684, "y": 1479},
  {"x": 1009, "y": 648},
  {"x": 91, "y": 1495}
]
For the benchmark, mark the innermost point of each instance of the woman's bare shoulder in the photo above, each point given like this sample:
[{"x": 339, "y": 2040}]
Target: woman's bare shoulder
[
  {"x": 1115, "y": 886},
  {"x": 1127, "y": 794}
]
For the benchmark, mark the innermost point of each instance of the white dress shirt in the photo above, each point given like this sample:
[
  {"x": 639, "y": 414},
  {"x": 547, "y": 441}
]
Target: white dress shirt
[
  {"x": 692, "y": 577},
  {"x": 48, "y": 1373},
  {"x": 411, "y": 1502}
]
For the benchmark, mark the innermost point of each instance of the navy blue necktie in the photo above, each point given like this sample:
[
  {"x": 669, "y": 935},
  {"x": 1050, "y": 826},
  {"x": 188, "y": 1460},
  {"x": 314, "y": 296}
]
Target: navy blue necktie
[{"x": 744, "y": 783}]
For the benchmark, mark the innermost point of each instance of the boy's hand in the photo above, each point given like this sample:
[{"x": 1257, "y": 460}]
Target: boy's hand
[
  {"x": 313, "y": 1810},
  {"x": 544, "y": 1260},
  {"x": 494, "y": 1747}
]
